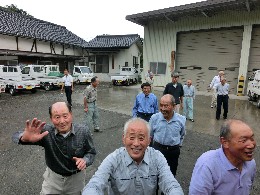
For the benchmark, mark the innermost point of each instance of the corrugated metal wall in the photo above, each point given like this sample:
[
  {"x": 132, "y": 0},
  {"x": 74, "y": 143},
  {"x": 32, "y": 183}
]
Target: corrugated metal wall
[{"x": 202, "y": 54}]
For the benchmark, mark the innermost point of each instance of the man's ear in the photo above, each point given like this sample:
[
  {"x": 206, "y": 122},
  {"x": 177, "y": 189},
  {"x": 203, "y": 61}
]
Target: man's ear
[
  {"x": 224, "y": 142},
  {"x": 123, "y": 139}
]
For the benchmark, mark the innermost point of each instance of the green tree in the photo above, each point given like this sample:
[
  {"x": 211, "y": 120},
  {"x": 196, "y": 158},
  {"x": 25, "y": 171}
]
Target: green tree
[{"x": 14, "y": 8}]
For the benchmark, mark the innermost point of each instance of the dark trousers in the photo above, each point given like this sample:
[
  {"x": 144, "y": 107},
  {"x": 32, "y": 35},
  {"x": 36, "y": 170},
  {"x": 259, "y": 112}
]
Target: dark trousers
[
  {"x": 171, "y": 154},
  {"x": 145, "y": 116},
  {"x": 68, "y": 92},
  {"x": 222, "y": 99}
]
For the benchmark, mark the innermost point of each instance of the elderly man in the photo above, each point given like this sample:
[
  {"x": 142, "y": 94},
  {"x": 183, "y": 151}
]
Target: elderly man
[
  {"x": 146, "y": 103},
  {"x": 135, "y": 168},
  {"x": 68, "y": 149},
  {"x": 168, "y": 131},
  {"x": 215, "y": 81},
  {"x": 231, "y": 168},
  {"x": 222, "y": 90},
  {"x": 90, "y": 104},
  {"x": 67, "y": 85},
  {"x": 176, "y": 90}
]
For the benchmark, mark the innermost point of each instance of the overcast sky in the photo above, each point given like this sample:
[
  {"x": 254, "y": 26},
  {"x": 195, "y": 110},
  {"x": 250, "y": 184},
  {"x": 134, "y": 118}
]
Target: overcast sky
[{"x": 89, "y": 18}]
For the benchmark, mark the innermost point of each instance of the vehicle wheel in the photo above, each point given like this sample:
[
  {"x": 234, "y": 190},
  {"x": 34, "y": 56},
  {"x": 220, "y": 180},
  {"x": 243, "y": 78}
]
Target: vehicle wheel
[
  {"x": 12, "y": 91},
  {"x": 78, "y": 82},
  {"x": 127, "y": 82},
  {"x": 135, "y": 81},
  {"x": 114, "y": 83},
  {"x": 258, "y": 103},
  {"x": 47, "y": 87},
  {"x": 250, "y": 98},
  {"x": 33, "y": 91}
]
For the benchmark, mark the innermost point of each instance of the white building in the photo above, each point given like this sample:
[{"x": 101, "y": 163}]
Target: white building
[
  {"x": 109, "y": 52},
  {"x": 200, "y": 39}
]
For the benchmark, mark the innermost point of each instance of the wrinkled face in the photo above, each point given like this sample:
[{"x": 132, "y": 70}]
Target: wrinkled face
[
  {"x": 175, "y": 79},
  {"x": 146, "y": 90},
  {"x": 136, "y": 140},
  {"x": 96, "y": 83},
  {"x": 223, "y": 81},
  {"x": 241, "y": 143},
  {"x": 61, "y": 117},
  {"x": 166, "y": 107}
]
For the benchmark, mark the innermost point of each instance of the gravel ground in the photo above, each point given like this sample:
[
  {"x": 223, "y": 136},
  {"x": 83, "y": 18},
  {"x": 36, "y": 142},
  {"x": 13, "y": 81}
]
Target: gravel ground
[{"x": 22, "y": 166}]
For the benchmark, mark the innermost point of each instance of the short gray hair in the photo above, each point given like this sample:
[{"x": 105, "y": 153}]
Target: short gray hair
[
  {"x": 225, "y": 130},
  {"x": 133, "y": 120}
]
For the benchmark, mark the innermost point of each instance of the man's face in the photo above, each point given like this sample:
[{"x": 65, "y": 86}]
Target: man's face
[
  {"x": 241, "y": 143},
  {"x": 61, "y": 117},
  {"x": 136, "y": 140},
  {"x": 66, "y": 72},
  {"x": 166, "y": 107},
  {"x": 175, "y": 79},
  {"x": 96, "y": 83},
  {"x": 189, "y": 83},
  {"x": 146, "y": 90},
  {"x": 223, "y": 81}
]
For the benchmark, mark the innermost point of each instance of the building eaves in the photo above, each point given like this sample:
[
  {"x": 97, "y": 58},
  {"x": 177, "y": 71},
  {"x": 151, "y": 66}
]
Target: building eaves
[
  {"x": 15, "y": 24},
  {"x": 113, "y": 41},
  {"x": 204, "y": 8}
]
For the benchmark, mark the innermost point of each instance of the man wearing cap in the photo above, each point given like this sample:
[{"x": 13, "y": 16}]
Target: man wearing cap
[
  {"x": 146, "y": 103},
  {"x": 176, "y": 90},
  {"x": 215, "y": 81},
  {"x": 90, "y": 104}
]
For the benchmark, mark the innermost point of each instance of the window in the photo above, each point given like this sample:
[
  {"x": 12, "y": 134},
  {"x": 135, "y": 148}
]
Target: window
[
  {"x": 158, "y": 67},
  {"x": 44, "y": 62},
  {"x": 102, "y": 64},
  {"x": 135, "y": 62},
  {"x": 77, "y": 70},
  {"x": 91, "y": 58}
]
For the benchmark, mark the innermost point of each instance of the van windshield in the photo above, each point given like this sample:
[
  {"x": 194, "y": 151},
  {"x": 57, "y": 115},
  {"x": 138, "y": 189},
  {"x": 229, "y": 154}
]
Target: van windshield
[{"x": 85, "y": 70}]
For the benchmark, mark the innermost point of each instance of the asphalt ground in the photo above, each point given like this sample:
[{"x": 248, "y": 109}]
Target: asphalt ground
[{"x": 22, "y": 166}]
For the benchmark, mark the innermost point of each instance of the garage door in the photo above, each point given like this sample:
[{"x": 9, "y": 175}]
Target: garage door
[
  {"x": 200, "y": 55},
  {"x": 254, "y": 57}
]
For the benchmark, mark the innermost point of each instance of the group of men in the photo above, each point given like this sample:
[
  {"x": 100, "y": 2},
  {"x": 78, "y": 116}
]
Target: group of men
[{"x": 149, "y": 158}]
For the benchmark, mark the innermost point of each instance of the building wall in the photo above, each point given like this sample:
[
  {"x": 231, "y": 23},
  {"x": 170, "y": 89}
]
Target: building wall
[{"x": 160, "y": 38}]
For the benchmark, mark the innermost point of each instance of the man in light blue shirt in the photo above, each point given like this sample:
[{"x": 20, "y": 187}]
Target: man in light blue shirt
[
  {"x": 134, "y": 169},
  {"x": 229, "y": 170},
  {"x": 222, "y": 90},
  {"x": 188, "y": 97},
  {"x": 146, "y": 103},
  {"x": 168, "y": 131}
]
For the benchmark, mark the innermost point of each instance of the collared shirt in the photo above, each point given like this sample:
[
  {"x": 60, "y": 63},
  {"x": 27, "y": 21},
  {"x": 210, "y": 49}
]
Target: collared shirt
[
  {"x": 145, "y": 104},
  {"x": 215, "y": 81},
  {"x": 214, "y": 174},
  {"x": 176, "y": 91},
  {"x": 128, "y": 178},
  {"x": 168, "y": 133},
  {"x": 59, "y": 150},
  {"x": 68, "y": 80},
  {"x": 222, "y": 89},
  {"x": 189, "y": 91},
  {"x": 90, "y": 93}
]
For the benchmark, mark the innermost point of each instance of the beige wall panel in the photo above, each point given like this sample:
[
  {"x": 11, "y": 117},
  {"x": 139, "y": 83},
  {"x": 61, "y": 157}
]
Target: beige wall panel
[
  {"x": 43, "y": 47},
  {"x": 8, "y": 42},
  {"x": 25, "y": 44}
]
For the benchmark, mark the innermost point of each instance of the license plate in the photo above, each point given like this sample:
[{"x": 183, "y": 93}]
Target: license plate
[{"x": 28, "y": 87}]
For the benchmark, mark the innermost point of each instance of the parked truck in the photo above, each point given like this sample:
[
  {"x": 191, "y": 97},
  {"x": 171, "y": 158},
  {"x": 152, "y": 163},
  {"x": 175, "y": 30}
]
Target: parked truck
[
  {"x": 41, "y": 73},
  {"x": 127, "y": 76},
  {"x": 253, "y": 88},
  {"x": 82, "y": 74},
  {"x": 11, "y": 76}
]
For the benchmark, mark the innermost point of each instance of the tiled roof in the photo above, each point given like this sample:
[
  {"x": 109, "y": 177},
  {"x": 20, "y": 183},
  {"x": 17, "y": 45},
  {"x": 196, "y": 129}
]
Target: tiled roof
[
  {"x": 15, "y": 24},
  {"x": 114, "y": 41}
]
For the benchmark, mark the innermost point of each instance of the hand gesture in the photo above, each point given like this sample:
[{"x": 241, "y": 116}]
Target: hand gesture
[
  {"x": 80, "y": 162},
  {"x": 32, "y": 132}
]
